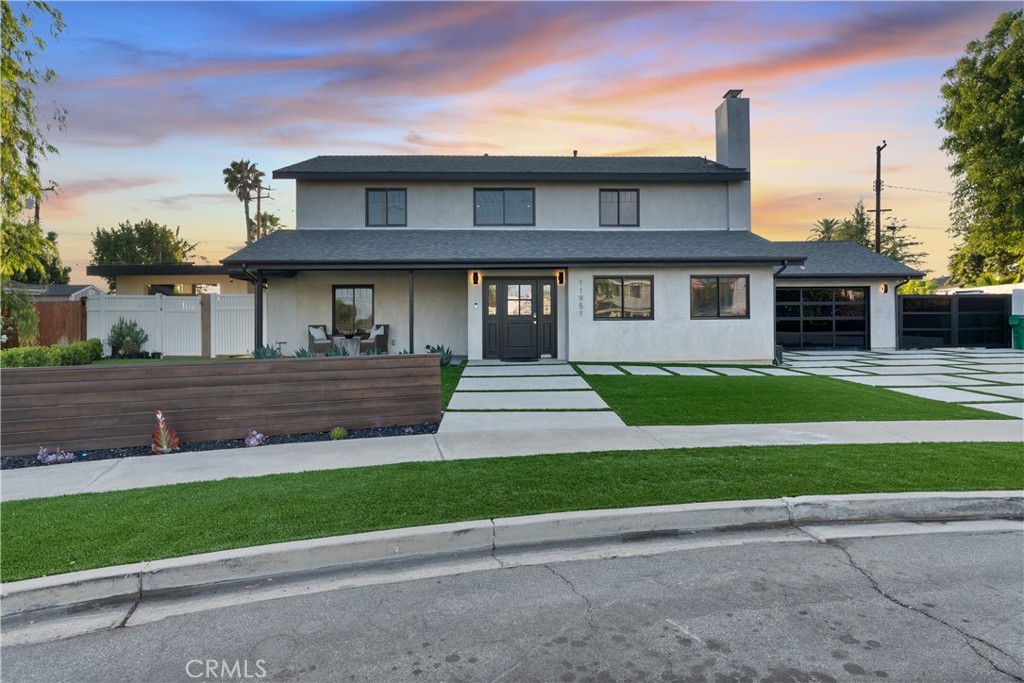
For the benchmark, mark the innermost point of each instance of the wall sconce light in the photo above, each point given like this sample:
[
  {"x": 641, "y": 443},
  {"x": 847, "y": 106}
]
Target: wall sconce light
[
  {"x": 476, "y": 277},
  {"x": 561, "y": 277},
  {"x": 885, "y": 288}
]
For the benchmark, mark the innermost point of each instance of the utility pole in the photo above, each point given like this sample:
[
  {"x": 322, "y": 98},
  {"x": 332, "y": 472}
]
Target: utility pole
[
  {"x": 259, "y": 213},
  {"x": 878, "y": 197}
]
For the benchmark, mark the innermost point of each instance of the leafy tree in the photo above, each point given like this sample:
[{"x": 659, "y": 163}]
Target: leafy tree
[
  {"x": 856, "y": 228},
  {"x": 22, "y": 141},
  {"x": 244, "y": 179},
  {"x": 919, "y": 287},
  {"x": 988, "y": 279},
  {"x": 18, "y": 313},
  {"x": 824, "y": 230},
  {"x": 53, "y": 271},
  {"x": 984, "y": 116},
  {"x": 142, "y": 243},
  {"x": 899, "y": 246},
  {"x": 268, "y": 223}
]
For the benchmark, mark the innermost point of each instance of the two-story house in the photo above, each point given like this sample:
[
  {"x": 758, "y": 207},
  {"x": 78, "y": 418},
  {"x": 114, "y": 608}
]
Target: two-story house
[{"x": 574, "y": 257}]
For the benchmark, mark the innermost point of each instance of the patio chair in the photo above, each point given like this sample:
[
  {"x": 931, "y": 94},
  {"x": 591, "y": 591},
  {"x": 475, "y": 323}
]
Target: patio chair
[
  {"x": 319, "y": 340},
  {"x": 377, "y": 339}
]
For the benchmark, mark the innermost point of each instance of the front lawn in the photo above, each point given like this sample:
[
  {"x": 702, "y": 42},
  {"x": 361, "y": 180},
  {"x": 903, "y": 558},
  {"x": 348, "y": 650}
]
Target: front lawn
[
  {"x": 449, "y": 380},
  {"x": 680, "y": 400},
  {"x": 57, "y": 535}
]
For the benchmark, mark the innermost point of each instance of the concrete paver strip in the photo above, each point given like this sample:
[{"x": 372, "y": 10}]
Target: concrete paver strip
[
  {"x": 947, "y": 394},
  {"x": 482, "y": 421},
  {"x": 1003, "y": 377},
  {"x": 779, "y": 372},
  {"x": 644, "y": 370},
  {"x": 915, "y": 381},
  {"x": 914, "y": 370},
  {"x": 1012, "y": 391},
  {"x": 1011, "y": 409},
  {"x": 735, "y": 372},
  {"x": 691, "y": 372},
  {"x": 521, "y": 383},
  {"x": 600, "y": 370},
  {"x": 518, "y": 370},
  {"x": 1001, "y": 367},
  {"x": 834, "y": 371},
  {"x": 527, "y": 400}
]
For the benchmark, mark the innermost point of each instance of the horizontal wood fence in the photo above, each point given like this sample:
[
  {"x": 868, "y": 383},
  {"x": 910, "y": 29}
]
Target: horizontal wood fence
[{"x": 92, "y": 407}]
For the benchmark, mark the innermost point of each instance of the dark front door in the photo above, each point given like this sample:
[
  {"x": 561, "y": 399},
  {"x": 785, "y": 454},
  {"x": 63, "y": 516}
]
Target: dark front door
[{"x": 519, "y": 318}]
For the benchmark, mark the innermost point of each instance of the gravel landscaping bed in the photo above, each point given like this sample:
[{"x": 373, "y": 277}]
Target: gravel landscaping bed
[{"x": 12, "y": 462}]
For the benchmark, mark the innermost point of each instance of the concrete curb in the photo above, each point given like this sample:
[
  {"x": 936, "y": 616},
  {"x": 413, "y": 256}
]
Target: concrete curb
[{"x": 129, "y": 583}]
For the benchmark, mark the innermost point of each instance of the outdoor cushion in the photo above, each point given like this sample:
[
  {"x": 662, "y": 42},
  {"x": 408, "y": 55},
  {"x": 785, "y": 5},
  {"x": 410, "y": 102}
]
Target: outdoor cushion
[{"x": 317, "y": 333}]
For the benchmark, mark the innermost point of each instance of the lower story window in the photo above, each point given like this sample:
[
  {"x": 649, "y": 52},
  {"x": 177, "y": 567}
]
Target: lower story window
[
  {"x": 720, "y": 296},
  {"x": 627, "y": 297},
  {"x": 353, "y": 309}
]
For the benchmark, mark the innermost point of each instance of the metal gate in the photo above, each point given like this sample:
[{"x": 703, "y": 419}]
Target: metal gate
[{"x": 936, "y": 320}]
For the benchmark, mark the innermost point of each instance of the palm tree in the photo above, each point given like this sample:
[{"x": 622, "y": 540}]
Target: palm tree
[
  {"x": 267, "y": 224},
  {"x": 243, "y": 178},
  {"x": 824, "y": 230}
]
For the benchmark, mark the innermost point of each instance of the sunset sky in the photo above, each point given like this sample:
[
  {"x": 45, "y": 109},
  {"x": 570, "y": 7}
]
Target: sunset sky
[{"x": 161, "y": 96}]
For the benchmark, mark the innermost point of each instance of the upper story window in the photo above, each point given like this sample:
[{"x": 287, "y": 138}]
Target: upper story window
[
  {"x": 385, "y": 206},
  {"x": 503, "y": 207},
  {"x": 620, "y": 207},
  {"x": 720, "y": 296}
]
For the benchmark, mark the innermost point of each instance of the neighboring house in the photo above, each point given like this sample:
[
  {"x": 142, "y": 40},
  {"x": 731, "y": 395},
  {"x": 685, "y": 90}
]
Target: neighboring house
[
  {"x": 41, "y": 293},
  {"x": 171, "y": 278},
  {"x": 518, "y": 258}
]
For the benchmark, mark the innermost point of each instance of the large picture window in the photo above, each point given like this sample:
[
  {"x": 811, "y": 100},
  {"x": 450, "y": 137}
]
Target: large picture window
[
  {"x": 620, "y": 208},
  {"x": 353, "y": 309},
  {"x": 720, "y": 296},
  {"x": 385, "y": 207},
  {"x": 503, "y": 207},
  {"x": 624, "y": 298}
]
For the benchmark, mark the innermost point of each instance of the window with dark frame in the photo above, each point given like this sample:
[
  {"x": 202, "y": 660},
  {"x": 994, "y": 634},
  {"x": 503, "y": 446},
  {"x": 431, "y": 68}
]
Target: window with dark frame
[
  {"x": 620, "y": 208},
  {"x": 719, "y": 296},
  {"x": 385, "y": 207},
  {"x": 508, "y": 206},
  {"x": 352, "y": 309},
  {"x": 629, "y": 297}
]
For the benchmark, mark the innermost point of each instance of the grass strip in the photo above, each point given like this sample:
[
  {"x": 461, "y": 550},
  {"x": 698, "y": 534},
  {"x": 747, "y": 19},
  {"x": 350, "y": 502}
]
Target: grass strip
[
  {"x": 677, "y": 400},
  {"x": 56, "y": 535},
  {"x": 449, "y": 381}
]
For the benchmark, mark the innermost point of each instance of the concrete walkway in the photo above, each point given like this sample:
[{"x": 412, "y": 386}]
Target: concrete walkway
[
  {"x": 493, "y": 396},
  {"x": 130, "y": 473}
]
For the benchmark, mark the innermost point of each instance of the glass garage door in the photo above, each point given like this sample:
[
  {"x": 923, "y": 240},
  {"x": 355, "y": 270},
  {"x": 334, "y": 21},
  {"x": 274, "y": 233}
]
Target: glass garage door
[{"x": 821, "y": 317}]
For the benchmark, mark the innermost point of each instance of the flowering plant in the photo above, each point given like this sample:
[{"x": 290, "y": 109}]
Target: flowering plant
[
  {"x": 165, "y": 439},
  {"x": 254, "y": 438}
]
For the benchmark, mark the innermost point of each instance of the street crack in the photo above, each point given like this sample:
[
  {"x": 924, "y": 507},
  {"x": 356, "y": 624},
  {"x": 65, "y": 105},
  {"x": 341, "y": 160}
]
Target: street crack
[{"x": 572, "y": 587}]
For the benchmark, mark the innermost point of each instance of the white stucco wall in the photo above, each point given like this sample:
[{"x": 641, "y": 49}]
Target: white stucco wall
[
  {"x": 671, "y": 335},
  {"x": 663, "y": 206},
  {"x": 294, "y": 303}
]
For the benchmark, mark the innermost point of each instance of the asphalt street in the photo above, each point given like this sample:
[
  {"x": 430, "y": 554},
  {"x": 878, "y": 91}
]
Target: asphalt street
[{"x": 777, "y": 608}]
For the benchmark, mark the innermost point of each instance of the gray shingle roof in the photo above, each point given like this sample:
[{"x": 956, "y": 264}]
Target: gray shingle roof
[
  {"x": 395, "y": 248},
  {"x": 513, "y": 168},
  {"x": 842, "y": 259}
]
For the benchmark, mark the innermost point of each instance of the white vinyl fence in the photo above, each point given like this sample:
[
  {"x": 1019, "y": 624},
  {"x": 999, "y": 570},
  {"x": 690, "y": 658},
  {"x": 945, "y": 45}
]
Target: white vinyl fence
[{"x": 175, "y": 323}]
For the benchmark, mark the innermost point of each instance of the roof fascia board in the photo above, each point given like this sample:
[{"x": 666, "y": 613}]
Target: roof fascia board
[{"x": 703, "y": 177}]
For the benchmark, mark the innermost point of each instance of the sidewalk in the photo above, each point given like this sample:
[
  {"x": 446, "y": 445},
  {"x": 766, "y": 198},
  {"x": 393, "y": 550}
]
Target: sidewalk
[{"x": 130, "y": 473}]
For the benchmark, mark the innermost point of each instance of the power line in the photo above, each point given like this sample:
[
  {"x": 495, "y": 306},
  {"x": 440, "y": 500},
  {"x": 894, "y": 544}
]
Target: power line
[{"x": 886, "y": 186}]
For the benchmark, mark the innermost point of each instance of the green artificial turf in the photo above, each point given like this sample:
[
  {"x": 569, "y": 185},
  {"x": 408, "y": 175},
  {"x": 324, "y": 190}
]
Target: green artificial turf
[
  {"x": 640, "y": 400},
  {"x": 449, "y": 380},
  {"x": 56, "y": 535}
]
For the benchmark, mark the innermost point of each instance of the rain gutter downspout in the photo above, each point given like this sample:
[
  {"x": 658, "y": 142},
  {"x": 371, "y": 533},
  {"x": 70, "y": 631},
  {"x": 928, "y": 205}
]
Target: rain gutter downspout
[{"x": 776, "y": 351}]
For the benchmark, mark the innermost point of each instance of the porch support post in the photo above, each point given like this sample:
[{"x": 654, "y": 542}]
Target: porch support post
[
  {"x": 412, "y": 317},
  {"x": 258, "y": 299}
]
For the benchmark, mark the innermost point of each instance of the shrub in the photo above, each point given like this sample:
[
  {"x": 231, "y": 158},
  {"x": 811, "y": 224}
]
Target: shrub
[
  {"x": 126, "y": 338},
  {"x": 55, "y": 458},
  {"x": 78, "y": 353},
  {"x": 336, "y": 351},
  {"x": 266, "y": 351},
  {"x": 444, "y": 353},
  {"x": 338, "y": 433},
  {"x": 304, "y": 353}
]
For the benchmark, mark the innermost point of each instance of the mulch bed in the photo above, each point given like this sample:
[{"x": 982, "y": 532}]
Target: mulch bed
[{"x": 12, "y": 462}]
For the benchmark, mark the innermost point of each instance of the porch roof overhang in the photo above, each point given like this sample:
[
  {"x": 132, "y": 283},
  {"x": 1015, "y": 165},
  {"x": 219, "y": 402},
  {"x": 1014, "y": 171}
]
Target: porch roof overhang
[{"x": 286, "y": 252}]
